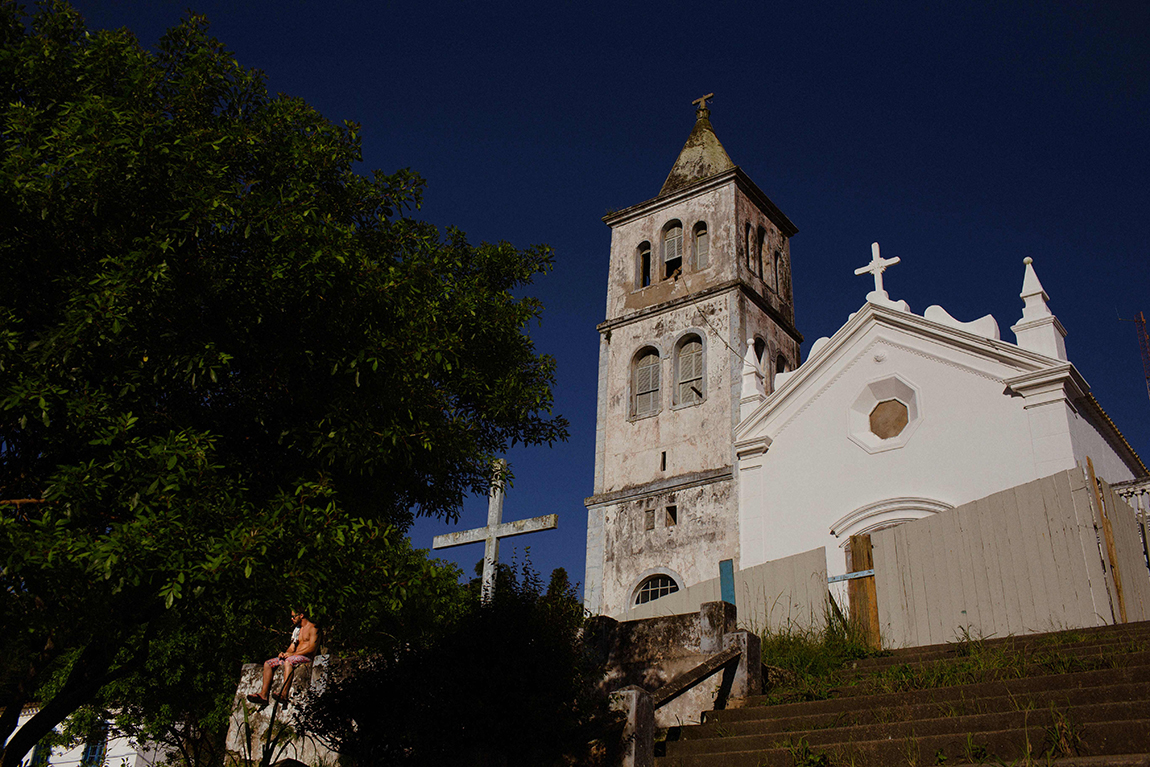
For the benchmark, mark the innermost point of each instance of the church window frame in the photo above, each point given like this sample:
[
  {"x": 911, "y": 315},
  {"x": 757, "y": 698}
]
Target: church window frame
[
  {"x": 760, "y": 348},
  {"x": 690, "y": 367},
  {"x": 96, "y": 746},
  {"x": 654, "y": 584},
  {"x": 672, "y": 248},
  {"x": 702, "y": 240},
  {"x": 888, "y": 512},
  {"x": 747, "y": 246},
  {"x": 875, "y": 391},
  {"x": 760, "y": 239},
  {"x": 643, "y": 265},
  {"x": 646, "y": 383}
]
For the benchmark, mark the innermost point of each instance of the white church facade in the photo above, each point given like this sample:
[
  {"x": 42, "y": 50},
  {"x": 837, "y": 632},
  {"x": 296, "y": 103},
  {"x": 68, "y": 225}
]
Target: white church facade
[{"x": 714, "y": 443}]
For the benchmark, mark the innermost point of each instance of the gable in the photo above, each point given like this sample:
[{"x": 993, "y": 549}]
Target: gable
[{"x": 877, "y": 342}]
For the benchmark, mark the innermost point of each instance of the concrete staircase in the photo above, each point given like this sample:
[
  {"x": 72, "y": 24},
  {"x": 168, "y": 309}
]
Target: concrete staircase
[{"x": 1073, "y": 698}]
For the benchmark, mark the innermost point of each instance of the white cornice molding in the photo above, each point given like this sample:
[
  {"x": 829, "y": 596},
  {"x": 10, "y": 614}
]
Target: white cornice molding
[
  {"x": 750, "y": 448},
  {"x": 641, "y": 209},
  {"x": 1041, "y": 387}
]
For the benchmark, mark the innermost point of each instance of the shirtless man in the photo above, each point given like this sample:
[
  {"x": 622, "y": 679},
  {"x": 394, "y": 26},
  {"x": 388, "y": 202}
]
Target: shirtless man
[{"x": 301, "y": 650}]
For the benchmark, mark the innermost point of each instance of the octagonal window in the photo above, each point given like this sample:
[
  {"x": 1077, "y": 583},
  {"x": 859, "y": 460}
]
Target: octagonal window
[
  {"x": 888, "y": 419},
  {"x": 885, "y": 414}
]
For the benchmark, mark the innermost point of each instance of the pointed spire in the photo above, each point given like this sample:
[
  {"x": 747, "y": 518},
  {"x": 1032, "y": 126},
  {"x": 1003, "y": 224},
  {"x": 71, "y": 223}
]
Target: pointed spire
[
  {"x": 701, "y": 157},
  {"x": 1033, "y": 296},
  {"x": 754, "y": 381},
  {"x": 1038, "y": 330}
]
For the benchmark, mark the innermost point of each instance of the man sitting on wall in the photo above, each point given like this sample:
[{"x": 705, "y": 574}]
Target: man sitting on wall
[{"x": 304, "y": 639}]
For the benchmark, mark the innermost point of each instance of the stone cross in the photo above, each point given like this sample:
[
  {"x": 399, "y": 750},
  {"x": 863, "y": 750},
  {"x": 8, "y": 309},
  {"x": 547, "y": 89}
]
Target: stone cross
[
  {"x": 496, "y": 529},
  {"x": 877, "y": 266},
  {"x": 702, "y": 102}
]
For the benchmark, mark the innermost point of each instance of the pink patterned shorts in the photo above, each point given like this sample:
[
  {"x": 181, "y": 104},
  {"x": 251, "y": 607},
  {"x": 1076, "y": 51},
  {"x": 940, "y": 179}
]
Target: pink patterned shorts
[{"x": 294, "y": 660}]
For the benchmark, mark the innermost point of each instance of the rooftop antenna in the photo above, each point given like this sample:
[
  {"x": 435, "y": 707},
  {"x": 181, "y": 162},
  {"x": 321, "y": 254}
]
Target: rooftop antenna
[{"x": 1143, "y": 344}]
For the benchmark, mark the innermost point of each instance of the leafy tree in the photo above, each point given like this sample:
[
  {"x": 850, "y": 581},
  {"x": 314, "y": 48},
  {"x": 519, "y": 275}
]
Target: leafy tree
[
  {"x": 231, "y": 368},
  {"x": 508, "y": 683}
]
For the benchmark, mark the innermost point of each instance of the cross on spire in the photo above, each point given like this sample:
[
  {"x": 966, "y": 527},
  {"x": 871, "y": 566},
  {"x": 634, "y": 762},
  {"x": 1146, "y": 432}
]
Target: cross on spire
[
  {"x": 496, "y": 528},
  {"x": 877, "y": 266},
  {"x": 701, "y": 110}
]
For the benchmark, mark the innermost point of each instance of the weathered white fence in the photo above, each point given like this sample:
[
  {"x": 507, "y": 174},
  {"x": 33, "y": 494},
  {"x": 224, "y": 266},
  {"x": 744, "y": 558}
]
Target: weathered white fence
[
  {"x": 1037, "y": 557},
  {"x": 788, "y": 592}
]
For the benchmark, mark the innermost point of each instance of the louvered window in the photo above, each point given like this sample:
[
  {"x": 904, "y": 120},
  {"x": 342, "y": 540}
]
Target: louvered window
[
  {"x": 672, "y": 251},
  {"x": 647, "y": 384},
  {"x": 691, "y": 372},
  {"x": 702, "y": 246}
]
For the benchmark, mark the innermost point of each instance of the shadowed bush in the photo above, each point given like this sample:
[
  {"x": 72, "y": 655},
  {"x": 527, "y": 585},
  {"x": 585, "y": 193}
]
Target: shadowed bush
[{"x": 508, "y": 683}]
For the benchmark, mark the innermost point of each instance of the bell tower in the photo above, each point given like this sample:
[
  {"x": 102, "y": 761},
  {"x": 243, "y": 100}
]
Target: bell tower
[{"x": 698, "y": 276}]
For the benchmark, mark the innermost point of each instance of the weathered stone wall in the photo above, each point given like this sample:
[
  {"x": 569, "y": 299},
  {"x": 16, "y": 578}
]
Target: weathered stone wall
[
  {"x": 653, "y": 651},
  {"x": 705, "y": 204},
  {"x": 694, "y": 437},
  {"x": 681, "y": 453},
  {"x": 688, "y": 551}
]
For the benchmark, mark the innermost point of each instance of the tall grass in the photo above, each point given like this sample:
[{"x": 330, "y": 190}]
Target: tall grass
[{"x": 802, "y": 663}]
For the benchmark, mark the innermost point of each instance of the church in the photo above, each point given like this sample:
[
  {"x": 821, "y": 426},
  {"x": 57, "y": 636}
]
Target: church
[{"x": 715, "y": 440}]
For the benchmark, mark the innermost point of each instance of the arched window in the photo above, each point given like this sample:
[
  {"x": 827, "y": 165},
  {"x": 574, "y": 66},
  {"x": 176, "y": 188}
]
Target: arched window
[
  {"x": 689, "y": 371},
  {"x": 781, "y": 364},
  {"x": 672, "y": 249},
  {"x": 646, "y": 383},
  {"x": 655, "y": 587},
  {"x": 643, "y": 265},
  {"x": 702, "y": 245},
  {"x": 759, "y": 251},
  {"x": 760, "y": 349},
  {"x": 747, "y": 244}
]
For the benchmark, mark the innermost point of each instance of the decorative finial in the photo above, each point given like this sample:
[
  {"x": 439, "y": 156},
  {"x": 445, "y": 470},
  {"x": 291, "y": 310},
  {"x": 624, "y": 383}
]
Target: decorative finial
[
  {"x": 1028, "y": 260},
  {"x": 701, "y": 111}
]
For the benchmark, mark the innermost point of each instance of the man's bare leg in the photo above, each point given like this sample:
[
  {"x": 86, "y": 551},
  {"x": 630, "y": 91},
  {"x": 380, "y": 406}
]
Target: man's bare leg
[
  {"x": 289, "y": 672},
  {"x": 269, "y": 673},
  {"x": 262, "y": 699}
]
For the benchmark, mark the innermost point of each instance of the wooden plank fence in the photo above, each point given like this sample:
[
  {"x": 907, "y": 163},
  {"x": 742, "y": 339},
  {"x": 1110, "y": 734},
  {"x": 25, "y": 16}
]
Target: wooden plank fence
[
  {"x": 783, "y": 593},
  {"x": 1059, "y": 552}
]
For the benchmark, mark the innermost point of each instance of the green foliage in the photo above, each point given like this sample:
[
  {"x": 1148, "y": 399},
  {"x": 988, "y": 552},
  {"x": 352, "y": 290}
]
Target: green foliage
[
  {"x": 231, "y": 368},
  {"x": 509, "y": 682}
]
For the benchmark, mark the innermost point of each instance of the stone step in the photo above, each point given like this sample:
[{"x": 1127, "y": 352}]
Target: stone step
[
  {"x": 1043, "y": 720},
  {"x": 1111, "y": 760},
  {"x": 1095, "y": 739},
  {"x": 1051, "y": 639},
  {"x": 757, "y": 708},
  {"x": 903, "y": 711},
  {"x": 1098, "y": 644},
  {"x": 913, "y": 676}
]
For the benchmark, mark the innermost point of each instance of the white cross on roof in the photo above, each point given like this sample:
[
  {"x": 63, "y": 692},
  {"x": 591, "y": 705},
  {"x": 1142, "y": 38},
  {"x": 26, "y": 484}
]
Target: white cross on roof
[{"x": 877, "y": 266}]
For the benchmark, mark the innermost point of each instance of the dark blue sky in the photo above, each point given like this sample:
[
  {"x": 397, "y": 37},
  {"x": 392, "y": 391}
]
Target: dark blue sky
[{"x": 960, "y": 136}]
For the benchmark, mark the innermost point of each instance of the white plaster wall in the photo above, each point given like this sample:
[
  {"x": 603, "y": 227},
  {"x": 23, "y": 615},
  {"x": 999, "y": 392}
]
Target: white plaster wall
[
  {"x": 121, "y": 750},
  {"x": 972, "y": 440},
  {"x": 1088, "y": 442}
]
